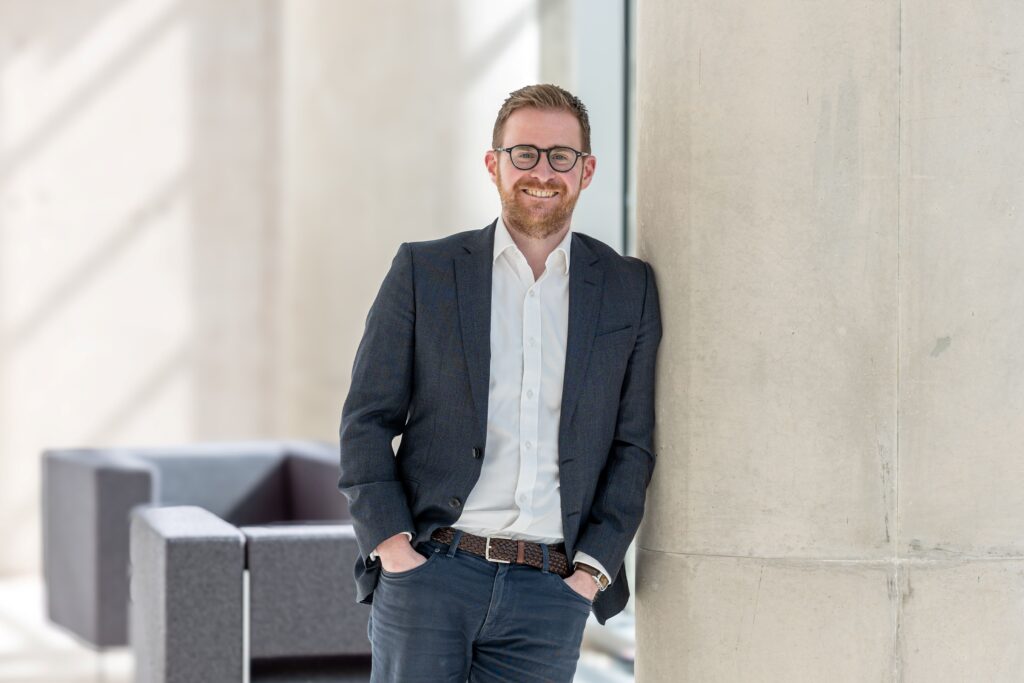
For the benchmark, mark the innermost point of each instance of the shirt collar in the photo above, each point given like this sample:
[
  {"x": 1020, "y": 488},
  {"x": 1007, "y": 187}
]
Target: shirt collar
[{"x": 503, "y": 240}]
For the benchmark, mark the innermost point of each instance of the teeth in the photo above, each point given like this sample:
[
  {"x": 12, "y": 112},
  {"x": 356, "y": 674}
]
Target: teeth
[{"x": 540, "y": 193}]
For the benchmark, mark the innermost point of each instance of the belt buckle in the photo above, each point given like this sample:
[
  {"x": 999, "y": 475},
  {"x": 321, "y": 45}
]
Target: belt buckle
[{"x": 487, "y": 553}]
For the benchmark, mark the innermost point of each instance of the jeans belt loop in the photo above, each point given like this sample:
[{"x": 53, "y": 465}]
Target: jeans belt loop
[{"x": 454, "y": 545}]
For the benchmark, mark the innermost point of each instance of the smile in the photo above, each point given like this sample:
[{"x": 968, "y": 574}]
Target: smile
[{"x": 543, "y": 194}]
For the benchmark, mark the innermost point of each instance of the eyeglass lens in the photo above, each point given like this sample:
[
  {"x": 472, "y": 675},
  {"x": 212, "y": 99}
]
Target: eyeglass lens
[{"x": 525, "y": 157}]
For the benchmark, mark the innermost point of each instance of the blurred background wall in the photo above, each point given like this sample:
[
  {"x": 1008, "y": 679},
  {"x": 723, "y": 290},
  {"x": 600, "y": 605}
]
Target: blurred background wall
[
  {"x": 138, "y": 233},
  {"x": 198, "y": 201}
]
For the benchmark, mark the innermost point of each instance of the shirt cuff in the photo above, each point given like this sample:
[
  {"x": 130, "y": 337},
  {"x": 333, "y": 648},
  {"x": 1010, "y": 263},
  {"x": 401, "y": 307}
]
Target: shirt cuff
[
  {"x": 581, "y": 556},
  {"x": 373, "y": 553}
]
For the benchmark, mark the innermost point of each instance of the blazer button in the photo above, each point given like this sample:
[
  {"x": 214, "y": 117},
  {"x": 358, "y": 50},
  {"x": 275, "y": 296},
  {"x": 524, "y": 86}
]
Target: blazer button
[
  {"x": 454, "y": 502},
  {"x": 477, "y": 452}
]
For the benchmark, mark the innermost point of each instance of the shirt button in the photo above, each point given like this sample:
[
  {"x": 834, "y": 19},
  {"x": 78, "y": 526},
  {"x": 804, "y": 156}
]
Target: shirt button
[
  {"x": 533, "y": 342},
  {"x": 529, "y": 445},
  {"x": 532, "y": 293},
  {"x": 529, "y": 393},
  {"x": 477, "y": 452},
  {"x": 454, "y": 502}
]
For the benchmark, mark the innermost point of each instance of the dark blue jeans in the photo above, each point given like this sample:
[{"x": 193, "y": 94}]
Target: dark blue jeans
[{"x": 460, "y": 617}]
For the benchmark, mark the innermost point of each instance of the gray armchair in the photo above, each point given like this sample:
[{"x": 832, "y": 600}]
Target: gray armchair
[
  {"x": 188, "y": 603},
  {"x": 270, "y": 507}
]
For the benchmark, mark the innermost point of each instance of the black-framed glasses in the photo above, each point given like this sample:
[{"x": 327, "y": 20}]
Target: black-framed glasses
[{"x": 525, "y": 157}]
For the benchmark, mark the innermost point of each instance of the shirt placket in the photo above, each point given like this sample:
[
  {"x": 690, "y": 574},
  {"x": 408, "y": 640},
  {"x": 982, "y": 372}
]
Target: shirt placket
[{"x": 529, "y": 413}]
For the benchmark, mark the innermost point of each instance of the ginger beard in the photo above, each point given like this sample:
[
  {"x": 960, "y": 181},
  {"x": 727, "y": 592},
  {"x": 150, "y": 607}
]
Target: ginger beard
[{"x": 534, "y": 216}]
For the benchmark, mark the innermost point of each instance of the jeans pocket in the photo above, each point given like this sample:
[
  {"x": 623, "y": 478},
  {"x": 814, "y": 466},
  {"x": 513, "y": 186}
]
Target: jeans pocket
[
  {"x": 571, "y": 591},
  {"x": 430, "y": 554}
]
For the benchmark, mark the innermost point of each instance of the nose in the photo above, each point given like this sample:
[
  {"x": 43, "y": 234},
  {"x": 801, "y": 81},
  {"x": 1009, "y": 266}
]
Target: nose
[{"x": 543, "y": 171}]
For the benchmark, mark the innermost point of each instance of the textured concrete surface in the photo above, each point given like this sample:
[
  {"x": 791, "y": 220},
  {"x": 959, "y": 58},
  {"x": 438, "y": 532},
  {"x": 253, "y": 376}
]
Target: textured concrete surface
[
  {"x": 768, "y": 205},
  {"x": 831, "y": 198},
  {"x": 962, "y": 621},
  {"x": 962, "y": 282},
  {"x": 746, "y": 619}
]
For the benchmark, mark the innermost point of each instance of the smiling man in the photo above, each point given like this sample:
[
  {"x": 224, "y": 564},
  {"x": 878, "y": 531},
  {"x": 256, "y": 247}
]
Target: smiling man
[{"x": 517, "y": 361}]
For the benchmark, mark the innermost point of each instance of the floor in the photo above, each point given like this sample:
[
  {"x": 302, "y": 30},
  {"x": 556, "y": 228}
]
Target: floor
[{"x": 33, "y": 651}]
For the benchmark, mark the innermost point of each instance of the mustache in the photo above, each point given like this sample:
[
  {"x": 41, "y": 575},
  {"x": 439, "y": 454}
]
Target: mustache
[{"x": 553, "y": 185}]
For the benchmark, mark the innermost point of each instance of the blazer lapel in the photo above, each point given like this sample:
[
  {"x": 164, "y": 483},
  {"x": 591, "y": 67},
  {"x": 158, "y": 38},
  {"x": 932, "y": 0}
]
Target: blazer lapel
[
  {"x": 586, "y": 283},
  {"x": 473, "y": 286}
]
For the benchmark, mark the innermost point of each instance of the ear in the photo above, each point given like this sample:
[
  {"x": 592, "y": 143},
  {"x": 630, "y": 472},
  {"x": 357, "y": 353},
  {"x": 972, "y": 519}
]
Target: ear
[
  {"x": 589, "y": 165},
  {"x": 491, "y": 162}
]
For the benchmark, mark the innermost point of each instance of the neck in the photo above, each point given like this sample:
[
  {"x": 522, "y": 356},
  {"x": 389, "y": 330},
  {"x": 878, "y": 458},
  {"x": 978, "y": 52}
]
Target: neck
[{"x": 535, "y": 249}]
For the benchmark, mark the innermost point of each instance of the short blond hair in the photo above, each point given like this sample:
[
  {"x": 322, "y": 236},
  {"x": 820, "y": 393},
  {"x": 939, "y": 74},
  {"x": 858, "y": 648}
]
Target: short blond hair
[{"x": 543, "y": 96}]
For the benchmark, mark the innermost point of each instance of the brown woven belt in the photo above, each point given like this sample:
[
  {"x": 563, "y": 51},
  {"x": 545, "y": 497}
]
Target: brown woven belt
[{"x": 507, "y": 550}]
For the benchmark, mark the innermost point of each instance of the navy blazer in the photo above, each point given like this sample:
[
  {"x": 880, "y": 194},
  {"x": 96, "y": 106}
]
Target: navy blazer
[{"x": 422, "y": 370}]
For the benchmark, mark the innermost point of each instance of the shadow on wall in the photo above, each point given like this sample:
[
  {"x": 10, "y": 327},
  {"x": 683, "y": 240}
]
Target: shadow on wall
[
  {"x": 137, "y": 232},
  {"x": 145, "y": 153}
]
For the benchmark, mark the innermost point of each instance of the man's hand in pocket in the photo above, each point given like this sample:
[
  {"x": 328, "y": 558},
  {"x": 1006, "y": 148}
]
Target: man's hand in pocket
[{"x": 397, "y": 554}]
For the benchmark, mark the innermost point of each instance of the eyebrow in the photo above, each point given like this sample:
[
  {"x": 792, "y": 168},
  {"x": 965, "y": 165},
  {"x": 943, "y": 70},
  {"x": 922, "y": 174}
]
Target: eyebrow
[{"x": 539, "y": 147}]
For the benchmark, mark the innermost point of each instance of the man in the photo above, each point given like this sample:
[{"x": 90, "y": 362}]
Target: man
[{"x": 517, "y": 362}]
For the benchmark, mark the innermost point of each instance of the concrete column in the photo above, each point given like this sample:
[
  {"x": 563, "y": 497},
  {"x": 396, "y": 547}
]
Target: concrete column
[{"x": 830, "y": 195}]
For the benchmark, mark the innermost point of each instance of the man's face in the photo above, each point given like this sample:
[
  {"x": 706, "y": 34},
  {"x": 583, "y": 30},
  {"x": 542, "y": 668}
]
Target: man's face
[{"x": 524, "y": 211}]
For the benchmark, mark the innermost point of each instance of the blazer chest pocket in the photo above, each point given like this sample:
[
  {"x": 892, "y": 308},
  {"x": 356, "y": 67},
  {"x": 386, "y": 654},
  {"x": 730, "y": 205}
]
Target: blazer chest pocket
[
  {"x": 611, "y": 351},
  {"x": 614, "y": 331}
]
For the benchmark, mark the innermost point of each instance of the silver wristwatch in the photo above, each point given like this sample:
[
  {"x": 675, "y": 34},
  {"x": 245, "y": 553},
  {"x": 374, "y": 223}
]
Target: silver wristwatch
[{"x": 595, "y": 573}]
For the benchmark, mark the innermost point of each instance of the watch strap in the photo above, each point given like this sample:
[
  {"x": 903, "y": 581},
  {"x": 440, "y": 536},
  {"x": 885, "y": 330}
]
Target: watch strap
[{"x": 599, "y": 577}]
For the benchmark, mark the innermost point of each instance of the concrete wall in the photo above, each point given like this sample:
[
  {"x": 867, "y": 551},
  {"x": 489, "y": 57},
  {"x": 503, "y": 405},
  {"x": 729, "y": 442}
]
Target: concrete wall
[{"x": 830, "y": 195}]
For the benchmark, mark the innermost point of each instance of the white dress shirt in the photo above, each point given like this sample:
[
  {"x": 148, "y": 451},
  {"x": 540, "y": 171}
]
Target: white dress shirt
[{"x": 517, "y": 495}]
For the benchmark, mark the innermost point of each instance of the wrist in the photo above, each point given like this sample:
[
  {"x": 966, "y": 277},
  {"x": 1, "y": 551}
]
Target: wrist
[
  {"x": 595, "y": 574},
  {"x": 394, "y": 544},
  {"x": 583, "y": 583}
]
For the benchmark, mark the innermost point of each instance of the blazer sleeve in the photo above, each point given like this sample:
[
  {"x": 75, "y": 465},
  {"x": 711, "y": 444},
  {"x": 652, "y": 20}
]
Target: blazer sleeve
[
  {"x": 619, "y": 499},
  {"x": 376, "y": 409}
]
